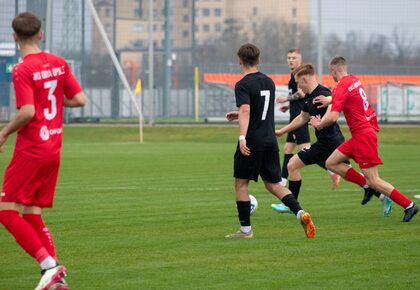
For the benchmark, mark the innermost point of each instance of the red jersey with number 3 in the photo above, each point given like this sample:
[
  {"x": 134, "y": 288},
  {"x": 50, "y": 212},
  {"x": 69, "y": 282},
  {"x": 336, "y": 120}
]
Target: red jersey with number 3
[
  {"x": 350, "y": 97},
  {"x": 42, "y": 80}
]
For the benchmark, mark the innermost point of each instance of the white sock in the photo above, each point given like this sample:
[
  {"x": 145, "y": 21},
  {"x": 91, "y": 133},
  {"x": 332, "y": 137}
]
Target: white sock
[
  {"x": 299, "y": 214},
  {"x": 411, "y": 204},
  {"x": 246, "y": 229},
  {"x": 365, "y": 186},
  {"x": 381, "y": 197},
  {"x": 283, "y": 182},
  {"x": 330, "y": 172},
  {"x": 48, "y": 263}
]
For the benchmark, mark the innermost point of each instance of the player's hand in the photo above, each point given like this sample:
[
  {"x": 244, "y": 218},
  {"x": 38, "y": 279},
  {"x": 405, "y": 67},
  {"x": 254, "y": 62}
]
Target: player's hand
[
  {"x": 284, "y": 109},
  {"x": 315, "y": 122},
  {"x": 279, "y": 133},
  {"x": 281, "y": 99},
  {"x": 244, "y": 149},
  {"x": 322, "y": 101},
  {"x": 301, "y": 93},
  {"x": 230, "y": 116},
  {"x": 3, "y": 139}
]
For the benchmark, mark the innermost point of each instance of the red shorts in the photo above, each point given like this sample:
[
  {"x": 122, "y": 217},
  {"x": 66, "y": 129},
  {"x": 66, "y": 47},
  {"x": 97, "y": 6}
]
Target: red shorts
[
  {"x": 30, "y": 181},
  {"x": 363, "y": 148}
]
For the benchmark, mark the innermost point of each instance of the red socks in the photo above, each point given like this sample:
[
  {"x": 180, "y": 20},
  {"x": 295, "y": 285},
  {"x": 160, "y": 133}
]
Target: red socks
[
  {"x": 24, "y": 234},
  {"x": 400, "y": 199},
  {"x": 355, "y": 177},
  {"x": 35, "y": 220}
]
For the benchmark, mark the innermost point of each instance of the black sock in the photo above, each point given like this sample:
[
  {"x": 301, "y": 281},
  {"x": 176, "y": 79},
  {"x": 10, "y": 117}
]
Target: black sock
[
  {"x": 284, "y": 171},
  {"x": 244, "y": 209},
  {"x": 294, "y": 187},
  {"x": 291, "y": 202}
]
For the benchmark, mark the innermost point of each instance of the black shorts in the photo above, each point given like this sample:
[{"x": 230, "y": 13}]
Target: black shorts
[
  {"x": 264, "y": 163},
  {"x": 299, "y": 136},
  {"x": 318, "y": 153}
]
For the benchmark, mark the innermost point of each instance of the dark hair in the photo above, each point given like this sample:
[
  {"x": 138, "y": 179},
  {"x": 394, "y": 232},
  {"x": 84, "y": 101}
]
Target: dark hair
[
  {"x": 304, "y": 69},
  {"x": 249, "y": 54},
  {"x": 338, "y": 61},
  {"x": 292, "y": 50},
  {"x": 26, "y": 25}
]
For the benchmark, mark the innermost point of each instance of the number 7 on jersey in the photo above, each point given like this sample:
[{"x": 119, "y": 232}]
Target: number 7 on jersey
[{"x": 266, "y": 94}]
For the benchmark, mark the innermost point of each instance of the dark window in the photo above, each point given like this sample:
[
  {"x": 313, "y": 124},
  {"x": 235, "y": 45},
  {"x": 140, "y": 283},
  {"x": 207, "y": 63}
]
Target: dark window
[
  {"x": 206, "y": 27},
  {"x": 206, "y": 12},
  {"x": 217, "y": 12}
]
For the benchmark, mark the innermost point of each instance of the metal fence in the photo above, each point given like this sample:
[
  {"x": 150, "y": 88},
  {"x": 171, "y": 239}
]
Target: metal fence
[{"x": 206, "y": 34}]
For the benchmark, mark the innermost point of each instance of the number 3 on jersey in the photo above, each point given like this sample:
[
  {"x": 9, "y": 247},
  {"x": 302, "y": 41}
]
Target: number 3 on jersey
[
  {"x": 266, "y": 94},
  {"x": 51, "y": 113}
]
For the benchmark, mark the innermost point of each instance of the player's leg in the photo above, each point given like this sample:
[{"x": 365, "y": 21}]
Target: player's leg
[
  {"x": 337, "y": 163},
  {"x": 290, "y": 201},
  {"x": 245, "y": 169},
  {"x": 33, "y": 216},
  {"x": 374, "y": 181},
  {"x": 24, "y": 234},
  {"x": 270, "y": 172},
  {"x": 295, "y": 182},
  {"x": 288, "y": 149},
  {"x": 43, "y": 196}
]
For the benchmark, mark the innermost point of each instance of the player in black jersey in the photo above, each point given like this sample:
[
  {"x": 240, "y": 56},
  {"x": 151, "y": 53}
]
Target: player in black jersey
[
  {"x": 300, "y": 135},
  {"x": 328, "y": 139},
  {"x": 257, "y": 151}
]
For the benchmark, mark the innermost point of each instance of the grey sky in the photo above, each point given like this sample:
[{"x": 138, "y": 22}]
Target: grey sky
[{"x": 370, "y": 16}]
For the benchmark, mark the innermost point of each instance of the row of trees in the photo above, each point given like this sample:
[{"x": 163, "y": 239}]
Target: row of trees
[{"x": 275, "y": 37}]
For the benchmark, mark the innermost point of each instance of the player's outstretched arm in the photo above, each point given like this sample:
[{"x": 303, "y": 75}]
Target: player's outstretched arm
[
  {"x": 23, "y": 116},
  {"x": 78, "y": 100},
  {"x": 233, "y": 115},
  {"x": 297, "y": 122}
]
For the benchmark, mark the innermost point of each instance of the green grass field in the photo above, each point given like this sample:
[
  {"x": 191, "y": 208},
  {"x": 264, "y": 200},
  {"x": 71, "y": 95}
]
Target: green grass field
[{"x": 154, "y": 216}]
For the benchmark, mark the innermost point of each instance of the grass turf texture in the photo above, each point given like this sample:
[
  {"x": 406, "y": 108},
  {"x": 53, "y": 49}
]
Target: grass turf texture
[{"x": 154, "y": 216}]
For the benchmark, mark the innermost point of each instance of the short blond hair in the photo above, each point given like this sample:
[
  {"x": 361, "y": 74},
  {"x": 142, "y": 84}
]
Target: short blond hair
[{"x": 304, "y": 69}]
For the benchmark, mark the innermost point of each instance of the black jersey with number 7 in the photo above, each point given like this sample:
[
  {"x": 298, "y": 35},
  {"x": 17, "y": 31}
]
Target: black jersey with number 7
[{"x": 258, "y": 91}]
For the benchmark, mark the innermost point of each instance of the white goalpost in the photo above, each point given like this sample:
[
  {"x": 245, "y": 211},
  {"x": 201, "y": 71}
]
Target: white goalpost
[{"x": 117, "y": 67}]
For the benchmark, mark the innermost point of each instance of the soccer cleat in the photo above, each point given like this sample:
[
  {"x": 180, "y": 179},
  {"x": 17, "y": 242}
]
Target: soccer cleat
[
  {"x": 280, "y": 208},
  {"x": 369, "y": 192},
  {"x": 410, "y": 212},
  {"x": 387, "y": 205},
  {"x": 241, "y": 234},
  {"x": 62, "y": 285},
  {"x": 335, "y": 179},
  {"x": 52, "y": 278},
  {"x": 308, "y": 225}
]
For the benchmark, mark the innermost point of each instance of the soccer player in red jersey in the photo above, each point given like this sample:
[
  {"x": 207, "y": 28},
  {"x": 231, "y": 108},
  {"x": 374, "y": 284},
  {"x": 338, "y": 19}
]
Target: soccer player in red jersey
[
  {"x": 43, "y": 84},
  {"x": 350, "y": 97}
]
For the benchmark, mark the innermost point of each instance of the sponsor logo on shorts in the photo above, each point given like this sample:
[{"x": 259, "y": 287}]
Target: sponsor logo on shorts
[
  {"x": 46, "y": 133},
  {"x": 2, "y": 194}
]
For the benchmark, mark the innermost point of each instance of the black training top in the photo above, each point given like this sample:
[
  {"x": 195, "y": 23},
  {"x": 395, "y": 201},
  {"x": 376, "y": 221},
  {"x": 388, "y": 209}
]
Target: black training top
[
  {"x": 295, "y": 107},
  {"x": 258, "y": 91},
  {"x": 327, "y": 134}
]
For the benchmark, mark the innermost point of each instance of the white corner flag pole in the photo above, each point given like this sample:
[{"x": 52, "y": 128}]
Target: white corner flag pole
[{"x": 116, "y": 64}]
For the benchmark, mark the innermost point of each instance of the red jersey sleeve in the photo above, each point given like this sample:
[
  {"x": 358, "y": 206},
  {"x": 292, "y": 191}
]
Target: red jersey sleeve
[
  {"x": 339, "y": 97},
  {"x": 71, "y": 85},
  {"x": 24, "y": 88}
]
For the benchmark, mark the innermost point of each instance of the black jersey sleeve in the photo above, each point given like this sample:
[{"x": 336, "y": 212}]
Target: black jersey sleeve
[
  {"x": 305, "y": 107},
  {"x": 242, "y": 94}
]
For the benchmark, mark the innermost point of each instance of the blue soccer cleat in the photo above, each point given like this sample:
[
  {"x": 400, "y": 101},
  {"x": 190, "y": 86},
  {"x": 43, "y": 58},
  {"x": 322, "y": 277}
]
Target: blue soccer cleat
[
  {"x": 387, "y": 205},
  {"x": 280, "y": 208}
]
